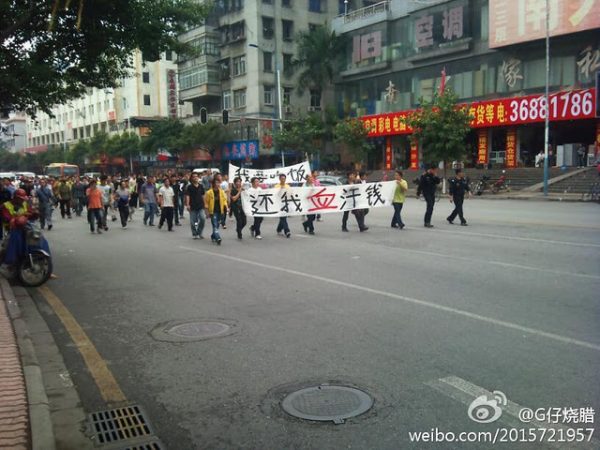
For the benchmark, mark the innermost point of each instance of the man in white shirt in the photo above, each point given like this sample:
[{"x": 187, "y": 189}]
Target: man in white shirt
[{"x": 166, "y": 201}]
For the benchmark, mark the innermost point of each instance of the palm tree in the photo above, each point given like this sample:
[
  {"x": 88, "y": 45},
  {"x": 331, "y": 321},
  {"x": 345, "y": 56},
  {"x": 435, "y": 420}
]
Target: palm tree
[{"x": 320, "y": 54}]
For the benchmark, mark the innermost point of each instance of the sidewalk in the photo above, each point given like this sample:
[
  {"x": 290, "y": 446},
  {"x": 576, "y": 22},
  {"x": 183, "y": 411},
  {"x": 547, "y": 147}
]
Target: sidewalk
[{"x": 14, "y": 407}]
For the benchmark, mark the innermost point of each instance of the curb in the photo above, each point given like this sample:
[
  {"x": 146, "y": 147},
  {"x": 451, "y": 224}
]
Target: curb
[{"x": 42, "y": 432}]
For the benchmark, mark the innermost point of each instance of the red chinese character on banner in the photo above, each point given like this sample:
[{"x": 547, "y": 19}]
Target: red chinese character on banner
[{"x": 322, "y": 201}]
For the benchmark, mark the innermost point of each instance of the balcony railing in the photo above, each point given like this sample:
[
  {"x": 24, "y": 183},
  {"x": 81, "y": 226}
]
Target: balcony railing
[{"x": 367, "y": 11}]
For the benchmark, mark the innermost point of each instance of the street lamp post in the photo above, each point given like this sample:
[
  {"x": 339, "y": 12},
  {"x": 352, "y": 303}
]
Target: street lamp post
[
  {"x": 279, "y": 100},
  {"x": 546, "y": 95}
]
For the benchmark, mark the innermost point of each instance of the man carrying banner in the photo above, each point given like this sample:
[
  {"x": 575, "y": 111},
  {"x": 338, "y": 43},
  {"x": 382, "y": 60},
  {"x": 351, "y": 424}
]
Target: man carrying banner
[
  {"x": 358, "y": 213},
  {"x": 255, "y": 227},
  {"x": 309, "y": 223},
  {"x": 282, "y": 226}
]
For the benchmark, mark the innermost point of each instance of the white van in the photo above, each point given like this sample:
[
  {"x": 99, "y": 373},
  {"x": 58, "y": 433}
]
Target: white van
[{"x": 202, "y": 169}]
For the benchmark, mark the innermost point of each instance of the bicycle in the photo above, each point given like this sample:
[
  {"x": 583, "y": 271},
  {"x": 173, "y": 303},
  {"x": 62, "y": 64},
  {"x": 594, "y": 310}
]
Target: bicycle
[{"x": 593, "y": 193}]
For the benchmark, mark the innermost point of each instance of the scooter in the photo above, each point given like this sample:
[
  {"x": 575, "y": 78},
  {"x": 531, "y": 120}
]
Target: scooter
[{"x": 33, "y": 265}]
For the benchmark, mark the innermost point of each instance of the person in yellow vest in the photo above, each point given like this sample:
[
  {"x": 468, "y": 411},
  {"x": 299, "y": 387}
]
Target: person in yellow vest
[
  {"x": 215, "y": 202},
  {"x": 15, "y": 214},
  {"x": 398, "y": 201}
]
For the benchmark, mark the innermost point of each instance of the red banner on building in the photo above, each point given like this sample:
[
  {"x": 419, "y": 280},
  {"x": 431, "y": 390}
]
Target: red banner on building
[
  {"x": 172, "y": 93},
  {"x": 511, "y": 148},
  {"x": 388, "y": 153},
  {"x": 566, "y": 105},
  {"x": 482, "y": 147},
  {"x": 414, "y": 155}
]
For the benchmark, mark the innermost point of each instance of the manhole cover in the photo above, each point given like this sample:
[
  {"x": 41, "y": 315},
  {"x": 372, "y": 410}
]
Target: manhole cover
[
  {"x": 327, "y": 403},
  {"x": 193, "y": 330},
  {"x": 199, "y": 329}
]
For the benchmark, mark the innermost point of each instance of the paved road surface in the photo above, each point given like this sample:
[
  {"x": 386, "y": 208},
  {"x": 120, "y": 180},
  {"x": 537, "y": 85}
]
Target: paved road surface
[{"x": 421, "y": 319}]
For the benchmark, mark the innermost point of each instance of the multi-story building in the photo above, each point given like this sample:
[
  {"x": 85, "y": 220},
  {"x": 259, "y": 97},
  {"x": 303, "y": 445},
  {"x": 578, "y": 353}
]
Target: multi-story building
[
  {"x": 241, "y": 47},
  {"x": 13, "y": 132},
  {"x": 149, "y": 95},
  {"x": 492, "y": 54}
]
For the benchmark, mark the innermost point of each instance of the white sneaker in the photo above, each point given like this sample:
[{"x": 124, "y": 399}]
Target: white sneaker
[
  {"x": 259, "y": 237},
  {"x": 196, "y": 237}
]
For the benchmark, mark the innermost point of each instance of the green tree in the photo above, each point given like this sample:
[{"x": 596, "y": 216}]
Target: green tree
[
  {"x": 79, "y": 152},
  {"x": 164, "y": 135},
  {"x": 320, "y": 54},
  {"x": 210, "y": 136},
  {"x": 98, "y": 144},
  {"x": 440, "y": 128},
  {"x": 304, "y": 135},
  {"x": 52, "y": 50},
  {"x": 124, "y": 145},
  {"x": 353, "y": 135}
]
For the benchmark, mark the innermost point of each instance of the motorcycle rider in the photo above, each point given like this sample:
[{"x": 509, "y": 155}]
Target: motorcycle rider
[{"x": 15, "y": 214}]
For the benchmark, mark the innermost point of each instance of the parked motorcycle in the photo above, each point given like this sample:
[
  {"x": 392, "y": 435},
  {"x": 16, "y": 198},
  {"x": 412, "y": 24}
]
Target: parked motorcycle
[
  {"x": 33, "y": 264},
  {"x": 501, "y": 184},
  {"x": 481, "y": 185}
]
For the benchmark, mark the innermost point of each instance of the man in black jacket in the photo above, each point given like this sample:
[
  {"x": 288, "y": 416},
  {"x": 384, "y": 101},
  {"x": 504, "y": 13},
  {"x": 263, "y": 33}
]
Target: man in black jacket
[
  {"x": 427, "y": 186},
  {"x": 458, "y": 187}
]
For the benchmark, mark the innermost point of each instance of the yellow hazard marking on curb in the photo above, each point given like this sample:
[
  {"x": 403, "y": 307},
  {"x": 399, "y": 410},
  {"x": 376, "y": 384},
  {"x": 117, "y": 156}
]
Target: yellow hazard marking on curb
[{"x": 106, "y": 382}]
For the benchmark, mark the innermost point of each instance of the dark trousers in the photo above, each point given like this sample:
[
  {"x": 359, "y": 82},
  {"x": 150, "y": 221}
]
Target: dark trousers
[
  {"x": 176, "y": 210},
  {"x": 283, "y": 225},
  {"x": 65, "y": 208},
  {"x": 255, "y": 227},
  {"x": 166, "y": 212},
  {"x": 240, "y": 219},
  {"x": 396, "y": 219},
  {"x": 430, "y": 200},
  {"x": 124, "y": 213},
  {"x": 95, "y": 213},
  {"x": 458, "y": 210},
  {"x": 360, "y": 218},
  {"x": 309, "y": 223}
]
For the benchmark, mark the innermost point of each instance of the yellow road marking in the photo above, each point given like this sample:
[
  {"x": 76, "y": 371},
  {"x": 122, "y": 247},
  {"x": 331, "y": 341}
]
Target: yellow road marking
[{"x": 106, "y": 382}]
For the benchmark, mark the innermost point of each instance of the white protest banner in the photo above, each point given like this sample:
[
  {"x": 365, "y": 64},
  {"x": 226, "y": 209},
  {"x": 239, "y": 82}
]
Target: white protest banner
[
  {"x": 296, "y": 201},
  {"x": 294, "y": 174}
]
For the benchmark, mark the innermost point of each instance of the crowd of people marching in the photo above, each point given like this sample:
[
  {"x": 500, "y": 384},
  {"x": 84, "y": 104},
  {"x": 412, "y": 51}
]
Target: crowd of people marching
[{"x": 205, "y": 196}]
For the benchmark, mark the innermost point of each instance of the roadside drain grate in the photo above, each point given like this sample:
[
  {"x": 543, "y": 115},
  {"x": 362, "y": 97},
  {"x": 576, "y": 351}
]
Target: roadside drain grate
[
  {"x": 327, "y": 403},
  {"x": 149, "y": 445},
  {"x": 120, "y": 424}
]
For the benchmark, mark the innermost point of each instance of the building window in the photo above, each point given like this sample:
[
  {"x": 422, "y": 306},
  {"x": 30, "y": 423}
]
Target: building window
[
  {"x": 286, "y": 3},
  {"x": 146, "y": 100},
  {"x": 315, "y": 99},
  {"x": 288, "y": 67},
  {"x": 314, "y": 6},
  {"x": 239, "y": 65},
  {"x": 239, "y": 98},
  {"x": 146, "y": 77},
  {"x": 169, "y": 55},
  {"x": 106, "y": 105},
  {"x": 268, "y": 27},
  {"x": 287, "y": 95},
  {"x": 268, "y": 95},
  {"x": 287, "y": 27},
  {"x": 268, "y": 61},
  {"x": 226, "y": 99},
  {"x": 234, "y": 32},
  {"x": 268, "y": 2},
  {"x": 91, "y": 108}
]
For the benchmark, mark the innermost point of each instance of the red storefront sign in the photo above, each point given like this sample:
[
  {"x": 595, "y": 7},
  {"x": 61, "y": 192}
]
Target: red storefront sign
[
  {"x": 511, "y": 148},
  {"x": 388, "y": 153},
  {"x": 482, "y": 147},
  {"x": 414, "y": 155},
  {"x": 567, "y": 105},
  {"x": 597, "y": 138}
]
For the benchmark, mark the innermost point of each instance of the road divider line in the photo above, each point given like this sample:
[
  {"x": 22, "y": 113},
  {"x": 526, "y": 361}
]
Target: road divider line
[
  {"x": 466, "y": 392},
  {"x": 106, "y": 382},
  {"x": 509, "y": 238},
  {"x": 415, "y": 301},
  {"x": 498, "y": 263}
]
